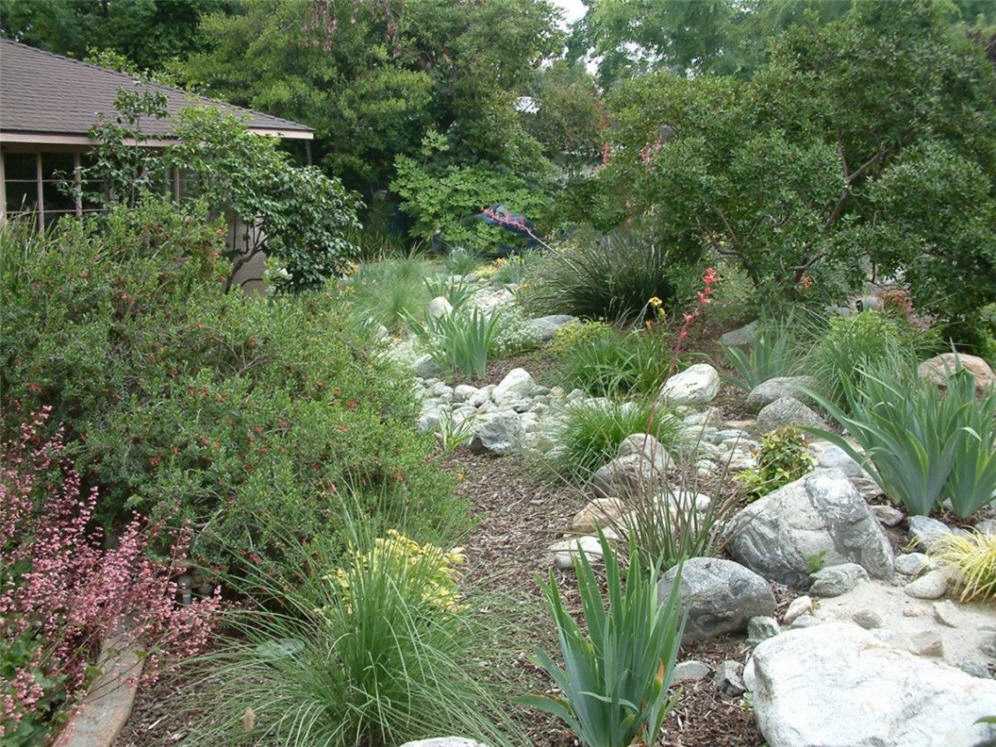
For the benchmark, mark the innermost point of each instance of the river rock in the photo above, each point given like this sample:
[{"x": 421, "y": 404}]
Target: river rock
[
  {"x": 818, "y": 515},
  {"x": 719, "y": 595},
  {"x": 696, "y": 385},
  {"x": 544, "y": 327},
  {"x": 439, "y": 307},
  {"x": 640, "y": 467},
  {"x": 925, "y": 531},
  {"x": 605, "y": 512},
  {"x": 855, "y": 691},
  {"x": 561, "y": 553},
  {"x": 788, "y": 411},
  {"x": 933, "y": 585},
  {"x": 835, "y": 580},
  {"x": 500, "y": 434},
  {"x": 781, "y": 386},
  {"x": 445, "y": 742},
  {"x": 937, "y": 369},
  {"x": 517, "y": 385}
]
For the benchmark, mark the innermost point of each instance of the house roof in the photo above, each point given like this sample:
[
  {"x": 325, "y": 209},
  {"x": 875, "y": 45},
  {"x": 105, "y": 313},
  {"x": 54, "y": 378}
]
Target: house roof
[{"x": 48, "y": 98}]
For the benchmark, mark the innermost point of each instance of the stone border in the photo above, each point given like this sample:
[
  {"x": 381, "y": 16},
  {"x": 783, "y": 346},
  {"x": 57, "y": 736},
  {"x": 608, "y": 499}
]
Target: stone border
[{"x": 101, "y": 715}]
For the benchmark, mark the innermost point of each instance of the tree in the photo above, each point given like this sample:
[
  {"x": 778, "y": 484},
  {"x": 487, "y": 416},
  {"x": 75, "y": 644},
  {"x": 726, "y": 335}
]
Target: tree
[
  {"x": 373, "y": 77},
  {"x": 147, "y": 33},
  {"x": 297, "y": 216},
  {"x": 810, "y": 168}
]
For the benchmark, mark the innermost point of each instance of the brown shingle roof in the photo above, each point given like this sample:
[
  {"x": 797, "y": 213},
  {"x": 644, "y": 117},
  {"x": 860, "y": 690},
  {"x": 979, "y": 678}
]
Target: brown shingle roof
[{"x": 51, "y": 95}]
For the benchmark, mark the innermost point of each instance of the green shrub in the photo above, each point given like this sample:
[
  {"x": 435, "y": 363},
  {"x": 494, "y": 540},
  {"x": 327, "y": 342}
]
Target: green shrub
[
  {"x": 773, "y": 351},
  {"x": 606, "y": 362},
  {"x": 846, "y": 345},
  {"x": 618, "y": 670},
  {"x": 236, "y": 413},
  {"x": 783, "y": 458},
  {"x": 600, "y": 277},
  {"x": 373, "y": 649},
  {"x": 921, "y": 446},
  {"x": 588, "y": 435}
]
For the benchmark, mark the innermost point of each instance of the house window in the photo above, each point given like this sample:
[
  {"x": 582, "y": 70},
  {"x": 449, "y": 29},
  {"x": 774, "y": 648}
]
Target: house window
[{"x": 46, "y": 185}]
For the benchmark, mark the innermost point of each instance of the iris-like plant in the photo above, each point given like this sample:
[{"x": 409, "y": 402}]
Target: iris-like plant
[
  {"x": 921, "y": 445},
  {"x": 459, "y": 341},
  {"x": 770, "y": 353},
  {"x": 615, "y": 678}
]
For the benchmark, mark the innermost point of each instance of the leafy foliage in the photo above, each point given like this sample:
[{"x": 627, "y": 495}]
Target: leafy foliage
[
  {"x": 600, "y": 277},
  {"x": 921, "y": 446},
  {"x": 251, "y": 410},
  {"x": 783, "y": 458},
  {"x": 800, "y": 180},
  {"x": 616, "y": 675},
  {"x": 374, "y": 77},
  {"x": 298, "y": 216}
]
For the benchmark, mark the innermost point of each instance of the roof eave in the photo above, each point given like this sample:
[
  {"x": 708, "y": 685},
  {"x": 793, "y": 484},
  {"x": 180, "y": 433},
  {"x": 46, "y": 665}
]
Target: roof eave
[{"x": 58, "y": 138}]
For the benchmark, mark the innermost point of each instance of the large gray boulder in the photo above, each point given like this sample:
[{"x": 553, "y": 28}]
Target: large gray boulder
[
  {"x": 517, "y": 385},
  {"x": 719, "y": 595},
  {"x": 781, "y": 386},
  {"x": 788, "y": 411},
  {"x": 500, "y": 434},
  {"x": 819, "y": 517},
  {"x": 544, "y": 327},
  {"x": 696, "y": 385},
  {"x": 837, "y": 685}
]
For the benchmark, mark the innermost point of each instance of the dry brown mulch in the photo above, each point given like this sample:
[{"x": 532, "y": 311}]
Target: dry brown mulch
[{"x": 519, "y": 517}]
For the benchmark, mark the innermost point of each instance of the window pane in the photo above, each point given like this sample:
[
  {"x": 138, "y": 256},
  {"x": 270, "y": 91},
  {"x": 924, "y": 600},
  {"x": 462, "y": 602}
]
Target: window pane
[
  {"x": 19, "y": 165},
  {"x": 58, "y": 196},
  {"x": 21, "y": 196},
  {"x": 57, "y": 166}
]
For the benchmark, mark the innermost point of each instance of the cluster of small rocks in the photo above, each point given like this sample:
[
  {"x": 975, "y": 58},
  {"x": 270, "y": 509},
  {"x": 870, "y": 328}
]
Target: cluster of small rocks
[{"x": 870, "y": 652}]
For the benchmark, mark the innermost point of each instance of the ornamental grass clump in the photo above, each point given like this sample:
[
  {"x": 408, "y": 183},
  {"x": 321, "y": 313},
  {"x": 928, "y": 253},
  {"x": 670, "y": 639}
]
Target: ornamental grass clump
[
  {"x": 588, "y": 435},
  {"x": 62, "y": 593},
  {"x": 606, "y": 362},
  {"x": 972, "y": 557},
  {"x": 372, "y": 647},
  {"x": 617, "y": 671}
]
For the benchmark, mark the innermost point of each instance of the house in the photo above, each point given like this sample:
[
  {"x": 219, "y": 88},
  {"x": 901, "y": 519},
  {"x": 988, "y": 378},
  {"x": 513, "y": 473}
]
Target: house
[{"x": 49, "y": 103}]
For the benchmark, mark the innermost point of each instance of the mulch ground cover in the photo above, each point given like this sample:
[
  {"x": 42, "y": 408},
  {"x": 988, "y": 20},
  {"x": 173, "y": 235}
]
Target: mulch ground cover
[{"x": 519, "y": 513}]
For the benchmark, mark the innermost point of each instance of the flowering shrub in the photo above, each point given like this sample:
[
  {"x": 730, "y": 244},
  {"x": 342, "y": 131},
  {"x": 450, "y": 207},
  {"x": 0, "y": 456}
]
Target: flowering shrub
[
  {"x": 61, "y": 593},
  {"x": 403, "y": 558}
]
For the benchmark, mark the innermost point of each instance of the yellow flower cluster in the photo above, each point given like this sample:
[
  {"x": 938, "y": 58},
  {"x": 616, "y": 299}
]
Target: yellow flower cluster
[
  {"x": 429, "y": 572},
  {"x": 658, "y": 306}
]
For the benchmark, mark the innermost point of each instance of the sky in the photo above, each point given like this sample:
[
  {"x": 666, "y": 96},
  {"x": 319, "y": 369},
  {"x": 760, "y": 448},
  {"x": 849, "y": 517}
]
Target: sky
[{"x": 573, "y": 9}]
